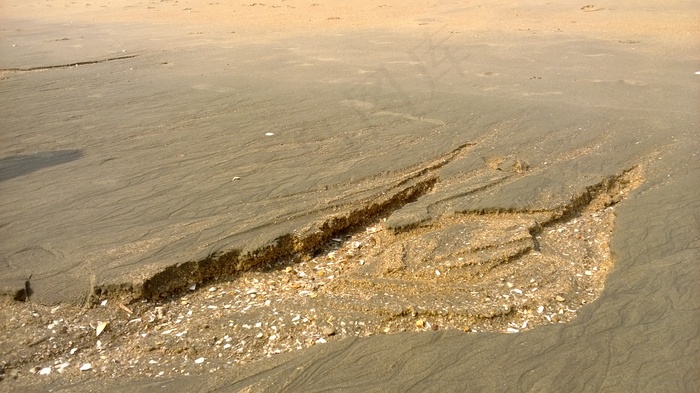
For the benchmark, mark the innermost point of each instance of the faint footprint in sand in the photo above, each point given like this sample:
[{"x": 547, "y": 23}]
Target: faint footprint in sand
[{"x": 591, "y": 8}]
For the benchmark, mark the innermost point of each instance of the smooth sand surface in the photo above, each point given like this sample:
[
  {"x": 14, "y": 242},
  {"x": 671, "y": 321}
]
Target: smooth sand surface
[{"x": 154, "y": 151}]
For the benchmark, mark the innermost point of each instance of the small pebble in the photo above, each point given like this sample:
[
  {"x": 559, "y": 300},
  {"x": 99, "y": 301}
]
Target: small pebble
[{"x": 328, "y": 331}]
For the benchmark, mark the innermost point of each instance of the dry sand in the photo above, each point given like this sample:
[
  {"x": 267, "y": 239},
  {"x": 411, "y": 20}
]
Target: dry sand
[{"x": 431, "y": 196}]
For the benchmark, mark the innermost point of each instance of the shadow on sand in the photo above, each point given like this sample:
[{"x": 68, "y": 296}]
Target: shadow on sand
[{"x": 20, "y": 165}]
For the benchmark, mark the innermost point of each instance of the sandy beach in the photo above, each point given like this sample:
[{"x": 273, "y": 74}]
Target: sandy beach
[{"x": 332, "y": 196}]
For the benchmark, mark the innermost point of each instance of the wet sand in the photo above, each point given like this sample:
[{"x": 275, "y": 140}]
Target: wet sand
[{"x": 140, "y": 158}]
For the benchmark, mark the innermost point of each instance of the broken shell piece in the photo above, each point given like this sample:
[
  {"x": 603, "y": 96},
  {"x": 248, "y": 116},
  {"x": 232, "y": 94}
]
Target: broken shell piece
[
  {"x": 559, "y": 298},
  {"x": 85, "y": 367},
  {"x": 100, "y": 327},
  {"x": 199, "y": 360},
  {"x": 61, "y": 367},
  {"x": 125, "y": 308},
  {"x": 193, "y": 287},
  {"x": 45, "y": 371}
]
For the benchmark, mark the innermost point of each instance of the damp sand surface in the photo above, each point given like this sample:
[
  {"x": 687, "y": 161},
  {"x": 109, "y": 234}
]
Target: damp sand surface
[{"x": 387, "y": 191}]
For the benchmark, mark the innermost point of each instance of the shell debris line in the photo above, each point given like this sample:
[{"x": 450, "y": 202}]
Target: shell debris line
[{"x": 475, "y": 272}]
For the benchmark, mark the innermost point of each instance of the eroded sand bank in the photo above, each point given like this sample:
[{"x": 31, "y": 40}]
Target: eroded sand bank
[{"x": 139, "y": 158}]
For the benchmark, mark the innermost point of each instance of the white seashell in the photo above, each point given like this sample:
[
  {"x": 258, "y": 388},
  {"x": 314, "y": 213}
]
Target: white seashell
[{"x": 100, "y": 328}]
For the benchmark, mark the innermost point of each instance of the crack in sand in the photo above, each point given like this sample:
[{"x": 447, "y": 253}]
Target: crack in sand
[{"x": 80, "y": 63}]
